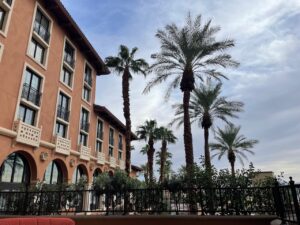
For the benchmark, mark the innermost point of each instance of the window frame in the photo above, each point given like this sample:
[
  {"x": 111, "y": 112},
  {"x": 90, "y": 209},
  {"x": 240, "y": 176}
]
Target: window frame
[{"x": 7, "y": 18}]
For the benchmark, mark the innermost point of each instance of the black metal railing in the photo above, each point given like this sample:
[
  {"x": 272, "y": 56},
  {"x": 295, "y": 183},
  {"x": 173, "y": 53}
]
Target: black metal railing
[
  {"x": 31, "y": 94},
  {"x": 41, "y": 31},
  {"x": 85, "y": 126},
  {"x": 282, "y": 201},
  {"x": 88, "y": 80},
  {"x": 63, "y": 113},
  {"x": 69, "y": 60}
]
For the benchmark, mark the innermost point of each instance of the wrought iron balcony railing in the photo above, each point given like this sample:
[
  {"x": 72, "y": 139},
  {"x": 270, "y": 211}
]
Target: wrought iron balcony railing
[
  {"x": 31, "y": 94},
  {"x": 41, "y": 31},
  {"x": 69, "y": 60},
  {"x": 63, "y": 113},
  {"x": 85, "y": 126},
  {"x": 88, "y": 80}
]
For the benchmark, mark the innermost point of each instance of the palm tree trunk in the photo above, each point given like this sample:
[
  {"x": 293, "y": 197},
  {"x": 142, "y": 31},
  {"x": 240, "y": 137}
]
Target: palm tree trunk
[
  {"x": 188, "y": 139},
  {"x": 150, "y": 155},
  {"x": 126, "y": 111},
  {"x": 163, "y": 161},
  {"x": 231, "y": 158},
  {"x": 206, "y": 149},
  {"x": 232, "y": 169}
]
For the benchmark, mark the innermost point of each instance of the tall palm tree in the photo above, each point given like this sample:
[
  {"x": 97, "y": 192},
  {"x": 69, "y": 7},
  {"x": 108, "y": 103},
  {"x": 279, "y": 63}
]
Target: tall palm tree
[
  {"x": 166, "y": 169},
  {"x": 149, "y": 132},
  {"x": 126, "y": 65},
  {"x": 206, "y": 105},
  {"x": 189, "y": 53},
  {"x": 235, "y": 145},
  {"x": 167, "y": 137}
]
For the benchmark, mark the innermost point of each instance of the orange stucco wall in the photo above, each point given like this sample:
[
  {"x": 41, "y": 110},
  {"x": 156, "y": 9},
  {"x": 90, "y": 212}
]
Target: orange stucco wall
[{"x": 12, "y": 66}]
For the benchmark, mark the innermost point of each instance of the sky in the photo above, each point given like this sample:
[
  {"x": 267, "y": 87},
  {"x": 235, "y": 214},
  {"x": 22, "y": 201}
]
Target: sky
[{"x": 267, "y": 38}]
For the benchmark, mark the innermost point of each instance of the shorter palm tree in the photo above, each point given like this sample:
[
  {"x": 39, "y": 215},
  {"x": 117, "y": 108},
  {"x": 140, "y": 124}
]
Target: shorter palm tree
[
  {"x": 145, "y": 172},
  {"x": 167, "y": 137},
  {"x": 149, "y": 132},
  {"x": 167, "y": 165},
  {"x": 235, "y": 145}
]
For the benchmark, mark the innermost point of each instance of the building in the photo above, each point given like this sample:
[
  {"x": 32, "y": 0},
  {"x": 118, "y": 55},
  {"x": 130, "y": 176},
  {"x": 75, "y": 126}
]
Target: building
[{"x": 50, "y": 129}]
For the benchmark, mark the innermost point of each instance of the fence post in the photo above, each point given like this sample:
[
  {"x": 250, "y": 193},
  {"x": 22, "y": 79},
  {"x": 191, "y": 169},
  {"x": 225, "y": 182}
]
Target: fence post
[
  {"x": 295, "y": 199},
  {"x": 278, "y": 200}
]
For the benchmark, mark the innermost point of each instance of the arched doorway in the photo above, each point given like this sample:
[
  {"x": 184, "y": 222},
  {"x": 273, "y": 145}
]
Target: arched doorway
[
  {"x": 79, "y": 174},
  {"x": 53, "y": 173},
  {"x": 14, "y": 172},
  {"x": 96, "y": 173},
  {"x": 95, "y": 196}
]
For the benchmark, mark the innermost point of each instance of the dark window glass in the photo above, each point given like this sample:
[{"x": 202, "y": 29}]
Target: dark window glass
[
  {"x": 2, "y": 18},
  {"x": 63, "y": 107},
  {"x": 86, "y": 93},
  {"x": 69, "y": 54},
  {"x": 26, "y": 115},
  {"x": 9, "y": 2},
  {"x": 100, "y": 129},
  {"x": 78, "y": 174},
  {"x": 31, "y": 87},
  {"x": 83, "y": 139},
  {"x": 119, "y": 155},
  {"x": 99, "y": 146},
  {"x": 88, "y": 75},
  {"x": 111, "y": 136},
  {"x": 15, "y": 169},
  {"x": 120, "y": 144},
  {"x": 37, "y": 51},
  {"x": 66, "y": 77},
  {"x": 41, "y": 25},
  {"x": 61, "y": 129},
  {"x": 84, "y": 120},
  {"x": 111, "y": 151},
  {"x": 53, "y": 174}
]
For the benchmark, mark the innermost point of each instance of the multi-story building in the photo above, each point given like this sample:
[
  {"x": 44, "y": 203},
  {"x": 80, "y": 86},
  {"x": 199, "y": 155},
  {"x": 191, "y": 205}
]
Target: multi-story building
[{"x": 50, "y": 129}]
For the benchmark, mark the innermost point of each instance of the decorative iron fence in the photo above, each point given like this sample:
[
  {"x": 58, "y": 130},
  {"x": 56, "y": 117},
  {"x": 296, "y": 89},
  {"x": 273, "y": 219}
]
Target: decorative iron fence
[{"x": 278, "y": 200}]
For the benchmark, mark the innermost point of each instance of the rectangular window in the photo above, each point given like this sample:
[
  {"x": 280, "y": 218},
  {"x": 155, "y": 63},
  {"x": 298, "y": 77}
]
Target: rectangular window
[
  {"x": 37, "y": 51},
  {"x": 66, "y": 77},
  {"x": 111, "y": 137},
  {"x": 120, "y": 144},
  {"x": 26, "y": 115},
  {"x": 84, "y": 120},
  {"x": 41, "y": 26},
  {"x": 63, "y": 107},
  {"x": 31, "y": 87},
  {"x": 111, "y": 151},
  {"x": 2, "y": 18},
  {"x": 86, "y": 93},
  {"x": 69, "y": 55},
  {"x": 88, "y": 75},
  {"x": 100, "y": 130},
  {"x": 83, "y": 139},
  {"x": 61, "y": 129},
  {"x": 99, "y": 146},
  {"x": 9, "y": 2},
  {"x": 120, "y": 155}
]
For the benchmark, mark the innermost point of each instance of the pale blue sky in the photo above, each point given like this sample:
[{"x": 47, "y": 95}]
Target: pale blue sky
[{"x": 268, "y": 81}]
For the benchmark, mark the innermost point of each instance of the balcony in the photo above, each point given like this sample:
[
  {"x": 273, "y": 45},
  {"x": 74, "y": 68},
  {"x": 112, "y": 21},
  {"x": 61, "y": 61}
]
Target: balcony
[
  {"x": 122, "y": 164},
  {"x": 31, "y": 94},
  {"x": 112, "y": 162},
  {"x": 63, "y": 113},
  {"x": 101, "y": 158},
  {"x": 27, "y": 134},
  {"x": 84, "y": 152},
  {"x": 41, "y": 31},
  {"x": 69, "y": 60},
  {"x": 85, "y": 126},
  {"x": 88, "y": 80},
  {"x": 63, "y": 145}
]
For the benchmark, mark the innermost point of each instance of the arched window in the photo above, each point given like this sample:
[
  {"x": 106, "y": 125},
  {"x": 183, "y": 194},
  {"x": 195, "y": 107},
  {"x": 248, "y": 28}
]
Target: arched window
[
  {"x": 96, "y": 173},
  {"x": 15, "y": 169},
  {"x": 53, "y": 174},
  {"x": 78, "y": 174}
]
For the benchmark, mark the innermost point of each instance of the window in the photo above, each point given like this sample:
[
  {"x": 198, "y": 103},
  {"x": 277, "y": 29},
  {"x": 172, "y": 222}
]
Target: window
[
  {"x": 37, "y": 51},
  {"x": 66, "y": 77},
  {"x": 15, "y": 169},
  {"x": 120, "y": 144},
  {"x": 61, "y": 129},
  {"x": 69, "y": 55},
  {"x": 41, "y": 25},
  {"x": 1, "y": 51},
  {"x": 88, "y": 75},
  {"x": 2, "y": 18},
  {"x": 111, "y": 137},
  {"x": 86, "y": 93},
  {"x": 99, "y": 146},
  {"x": 53, "y": 174},
  {"x": 83, "y": 139},
  {"x": 120, "y": 155},
  {"x": 78, "y": 174},
  {"x": 63, "y": 107},
  {"x": 84, "y": 120},
  {"x": 27, "y": 115},
  {"x": 9, "y": 2},
  {"x": 100, "y": 130},
  {"x": 111, "y": 151},
  {"x": 31, "y": 87}
]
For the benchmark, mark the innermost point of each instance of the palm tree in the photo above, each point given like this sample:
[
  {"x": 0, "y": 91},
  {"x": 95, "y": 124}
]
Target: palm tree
[
  {"x": 145, "y": 172},
  {"x": 206, "y": 105},
  {"x": 166, "y": 169},
  {"x": 149, "y": 132},
  {"x": 189, "y": 53},
  {"x": 125, "y": 64},
  {"x": 234, "y": 144},
  {"x": 167, "y": 137}
]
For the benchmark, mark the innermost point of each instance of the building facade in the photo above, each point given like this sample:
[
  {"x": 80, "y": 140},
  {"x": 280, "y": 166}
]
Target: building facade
[{"x": 50, "y": 129}]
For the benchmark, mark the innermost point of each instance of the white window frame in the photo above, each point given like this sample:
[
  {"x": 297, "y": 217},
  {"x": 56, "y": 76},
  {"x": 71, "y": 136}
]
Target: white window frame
[
  {"x": 82, "y": 131},
  {"x": 1, "y": 51},
  {"x": 86, "y": 85},
  {"x": 109, "y": 145},
  {"x": 99, "y": 139},
  {"x": 8, "y": 9}
]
